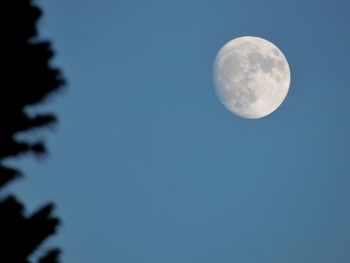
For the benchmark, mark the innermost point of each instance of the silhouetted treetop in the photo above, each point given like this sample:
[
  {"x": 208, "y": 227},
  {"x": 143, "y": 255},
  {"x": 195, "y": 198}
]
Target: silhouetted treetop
[{"x": 26, "y": 79}]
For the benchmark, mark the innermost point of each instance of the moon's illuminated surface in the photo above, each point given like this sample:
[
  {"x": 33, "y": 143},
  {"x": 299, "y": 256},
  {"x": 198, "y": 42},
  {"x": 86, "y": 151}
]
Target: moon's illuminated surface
[{"x": 251, "y": 76}]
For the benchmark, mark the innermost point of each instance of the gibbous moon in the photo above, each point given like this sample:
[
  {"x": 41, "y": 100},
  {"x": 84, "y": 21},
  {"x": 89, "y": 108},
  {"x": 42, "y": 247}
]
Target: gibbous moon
[{"x": 251, "y": 77}]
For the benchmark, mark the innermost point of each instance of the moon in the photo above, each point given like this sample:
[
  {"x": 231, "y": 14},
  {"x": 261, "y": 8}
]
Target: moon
[{"x": 251, "y": 77}]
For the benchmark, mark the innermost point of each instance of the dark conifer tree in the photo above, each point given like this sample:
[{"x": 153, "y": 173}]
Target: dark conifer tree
[{"x": 26, "y": 79}]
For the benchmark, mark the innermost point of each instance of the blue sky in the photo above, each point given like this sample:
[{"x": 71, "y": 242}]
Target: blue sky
[{"x": 146, "y": 165}]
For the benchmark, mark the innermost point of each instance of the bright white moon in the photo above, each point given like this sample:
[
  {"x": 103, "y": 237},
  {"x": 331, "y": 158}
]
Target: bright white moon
[{"x": 251, "y": 77}]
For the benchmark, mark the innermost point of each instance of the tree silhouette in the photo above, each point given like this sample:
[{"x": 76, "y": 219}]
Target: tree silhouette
[{"x": 26, "y": 80}]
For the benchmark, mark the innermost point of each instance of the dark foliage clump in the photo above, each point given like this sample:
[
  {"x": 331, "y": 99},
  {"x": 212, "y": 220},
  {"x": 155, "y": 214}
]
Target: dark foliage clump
[{"x": 26, "y": 79}]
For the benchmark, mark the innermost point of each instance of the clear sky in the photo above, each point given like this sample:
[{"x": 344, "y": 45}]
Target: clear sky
[{"x": 146, "y": 165}]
